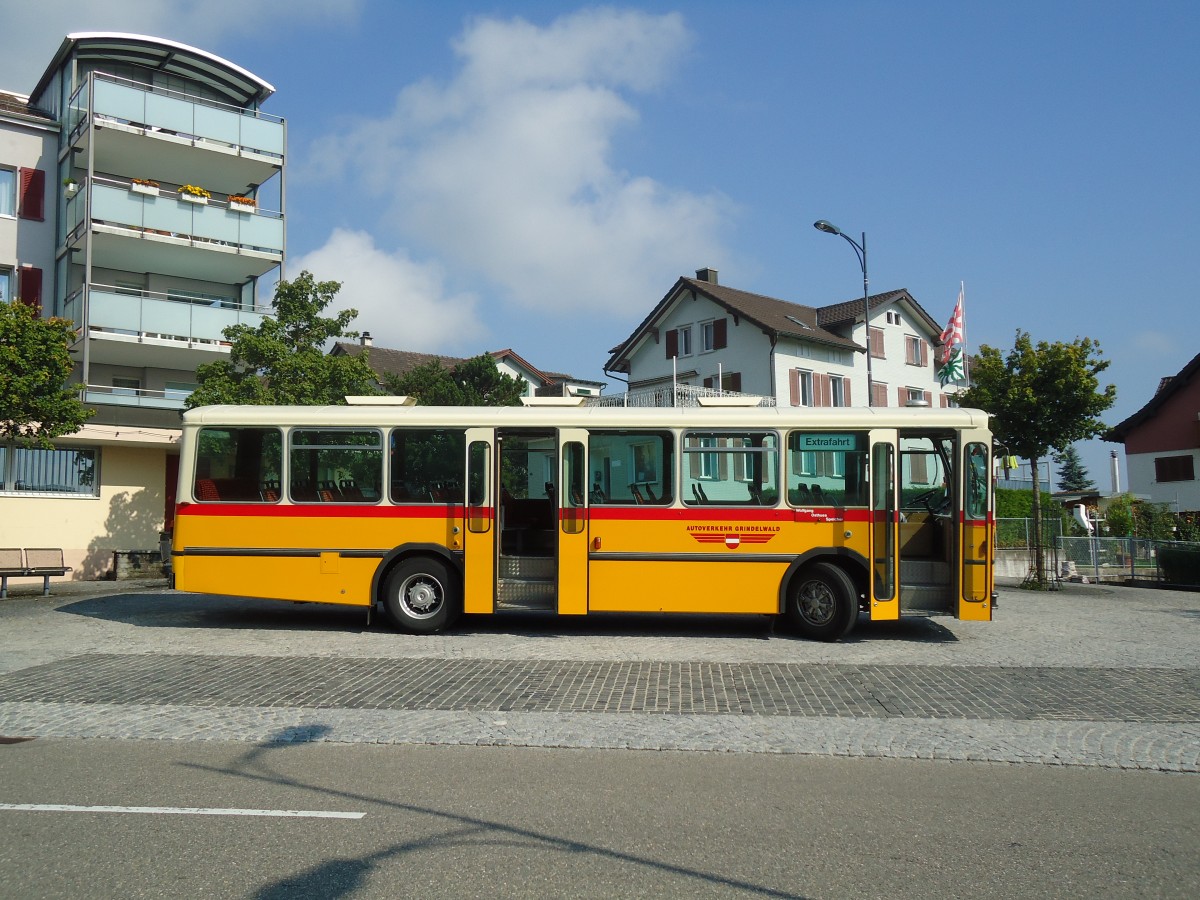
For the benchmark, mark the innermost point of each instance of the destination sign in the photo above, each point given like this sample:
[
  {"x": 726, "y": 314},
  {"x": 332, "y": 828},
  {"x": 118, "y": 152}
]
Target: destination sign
[{"x": 813, "y": 441}]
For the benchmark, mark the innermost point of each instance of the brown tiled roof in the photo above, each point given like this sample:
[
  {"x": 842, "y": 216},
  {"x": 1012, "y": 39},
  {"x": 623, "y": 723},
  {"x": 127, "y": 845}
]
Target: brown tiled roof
[
  {"x": 779, "y": 317},
  {"x": 385, "y": 361},
  {"x": 1118, "y": 433}
]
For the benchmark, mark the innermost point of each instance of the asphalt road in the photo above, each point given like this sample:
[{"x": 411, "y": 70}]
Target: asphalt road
[{"x": 522, "y": 822}]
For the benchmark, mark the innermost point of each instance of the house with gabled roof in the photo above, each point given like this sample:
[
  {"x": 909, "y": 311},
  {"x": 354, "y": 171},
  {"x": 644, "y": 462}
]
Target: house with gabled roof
[
  {"x": 706, "y": 334},
  {"x": 539, "y": 383},
  {"x": 1162, "y": 442}
]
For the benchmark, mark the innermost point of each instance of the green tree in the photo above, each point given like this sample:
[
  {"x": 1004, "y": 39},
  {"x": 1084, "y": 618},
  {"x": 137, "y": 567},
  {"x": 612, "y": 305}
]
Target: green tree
[
  {"x": 1041, "y": 398},
  {"x": 35, "y": 402},
  {"x": 1072, "y": 476},
  {"x": 283, "y": 360},
  {"x": 473, "y": 382}
]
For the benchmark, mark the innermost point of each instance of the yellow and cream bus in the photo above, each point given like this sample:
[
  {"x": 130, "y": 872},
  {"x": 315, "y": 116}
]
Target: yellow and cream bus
[{"x": 819, "y": 515}]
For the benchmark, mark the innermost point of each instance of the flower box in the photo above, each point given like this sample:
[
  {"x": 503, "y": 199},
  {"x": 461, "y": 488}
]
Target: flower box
[
  {"x": 192, "y": 198},
  {"x": 241, "y": 207},
  {"x": 150, "y": 190}
]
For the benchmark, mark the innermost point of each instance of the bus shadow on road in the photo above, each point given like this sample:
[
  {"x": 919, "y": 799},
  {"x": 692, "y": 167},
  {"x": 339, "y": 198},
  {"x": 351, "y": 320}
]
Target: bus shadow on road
[{"x": 214, "y": 611}]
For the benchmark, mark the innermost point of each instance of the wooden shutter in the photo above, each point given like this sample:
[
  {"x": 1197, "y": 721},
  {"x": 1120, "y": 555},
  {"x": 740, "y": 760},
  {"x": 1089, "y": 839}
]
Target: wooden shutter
[
  {"x": 672, "y": 343},
  {"x": 902, "y": 397},
  {"x": 29, "y": 286},
  {"x": 924, "y": 352},
  {"x": 720, "y": 334},
  {"x": 32, "y": 200},
  {"x": 875, "y": 342},
  {"x": 822, "y": 390},
  {"x": 846, "y": 391},
  {"x": 734, "y": 380},
  {"x": 878, "y": 394},
  {"x": 794, "y": 386}
]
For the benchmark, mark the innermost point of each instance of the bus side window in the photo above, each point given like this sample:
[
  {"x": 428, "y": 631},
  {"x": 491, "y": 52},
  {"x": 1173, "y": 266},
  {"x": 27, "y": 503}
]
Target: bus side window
[{"x": 233, "y": 464}]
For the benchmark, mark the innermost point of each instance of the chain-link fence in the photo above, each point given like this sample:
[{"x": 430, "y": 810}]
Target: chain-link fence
[
  {"x": 1017, "y": 534},
  {"x": 1134, "y": 559}
]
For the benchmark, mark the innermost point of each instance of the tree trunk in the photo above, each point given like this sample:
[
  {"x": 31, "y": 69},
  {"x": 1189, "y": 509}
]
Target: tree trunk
[{"x": 1039, "y": 562}]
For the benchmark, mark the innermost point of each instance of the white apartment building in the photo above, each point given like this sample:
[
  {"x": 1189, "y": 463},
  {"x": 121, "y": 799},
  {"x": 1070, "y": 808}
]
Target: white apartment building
[{"x": 141, "y": 197}]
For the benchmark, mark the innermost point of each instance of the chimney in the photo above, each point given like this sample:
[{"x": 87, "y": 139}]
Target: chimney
[
  {"x": 365, "y": 339},
  {"x": 708, "y": 274},
  {"x": 1115, "y": 466}
]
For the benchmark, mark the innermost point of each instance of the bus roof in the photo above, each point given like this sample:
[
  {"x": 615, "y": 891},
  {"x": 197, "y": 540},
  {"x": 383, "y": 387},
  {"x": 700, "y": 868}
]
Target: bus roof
[{"x": 588, "y": 417}]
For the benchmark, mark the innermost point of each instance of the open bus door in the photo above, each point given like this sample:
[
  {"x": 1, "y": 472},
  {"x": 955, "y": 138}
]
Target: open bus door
[
  {"x": 479, "y": 526},
  {"x": 975, "y": 540},
  {"x": 572, "y": 574},
  {"x": 884, "y": 597}
]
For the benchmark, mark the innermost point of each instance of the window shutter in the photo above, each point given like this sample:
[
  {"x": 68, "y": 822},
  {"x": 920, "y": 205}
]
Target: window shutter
[
  {"x": 29, "y": 286},
  {"x": 924, "y": 352},
  {"x": 822, "y": 389},
  {"x": 878, "y": 394},
  {"x": 794, "y": 386},
  {"x": 902, "y": 397},
  {"x": 876, "y": 343},
  {"x": 846, "y": 391},
  {"x": 735, "y": 381},
  {"x": 32, "y": 201},
  {"x": 945, "y": 401},
  {"x": 720, "y": 335},
  {"x": 708, "y": 382},
  {"x": 672, "y": 343}
]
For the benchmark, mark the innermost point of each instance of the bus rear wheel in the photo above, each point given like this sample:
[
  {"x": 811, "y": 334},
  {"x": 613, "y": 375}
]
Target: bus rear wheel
[
  {"x": 822, "y": 603},
  {"x": 422, "y": 596}
]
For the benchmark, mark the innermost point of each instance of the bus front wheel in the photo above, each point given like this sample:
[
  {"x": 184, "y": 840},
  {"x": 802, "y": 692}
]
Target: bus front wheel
[
  {"x": 421, "y": 595},
  {"x": 822, "y": 603}
]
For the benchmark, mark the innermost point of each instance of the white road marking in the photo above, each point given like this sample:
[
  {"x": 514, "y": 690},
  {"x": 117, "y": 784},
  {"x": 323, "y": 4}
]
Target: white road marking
[{"x": 184, "y": 811}]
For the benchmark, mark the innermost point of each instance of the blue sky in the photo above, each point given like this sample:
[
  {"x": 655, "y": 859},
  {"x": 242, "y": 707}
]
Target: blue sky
[{"x": 537, "y": 175}]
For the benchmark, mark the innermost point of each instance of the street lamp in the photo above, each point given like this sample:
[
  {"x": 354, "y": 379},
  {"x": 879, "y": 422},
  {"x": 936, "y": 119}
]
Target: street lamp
[{"x": 860, "y": 251}]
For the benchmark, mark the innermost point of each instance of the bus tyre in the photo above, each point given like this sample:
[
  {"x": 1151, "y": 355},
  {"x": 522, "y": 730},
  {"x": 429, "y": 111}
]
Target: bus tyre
[
  {"x": 421, "y": 595},
  {"x": 822, "y": 603}
]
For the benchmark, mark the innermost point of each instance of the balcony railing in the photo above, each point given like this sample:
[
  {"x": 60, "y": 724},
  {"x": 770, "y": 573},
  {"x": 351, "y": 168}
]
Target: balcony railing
[
  {"x": 107, "y": 395},
  {"x": 148, "y": 314},
  {"x": 678, "y": 395},
  {"x": 158, "y": 109},
  {"x": 168, "y": 215}
]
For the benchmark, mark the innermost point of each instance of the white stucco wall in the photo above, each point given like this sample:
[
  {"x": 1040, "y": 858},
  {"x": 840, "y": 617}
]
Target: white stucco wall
[
  {"x": 1182, "y": 496},
  {"x": 24, "y": 242}
]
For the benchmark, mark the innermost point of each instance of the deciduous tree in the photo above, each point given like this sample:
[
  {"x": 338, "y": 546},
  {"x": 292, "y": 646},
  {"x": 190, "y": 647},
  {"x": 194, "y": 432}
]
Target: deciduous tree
[
  {"x": 1041, "y": 397},
  {"x": 472, "y": 382},
  {"x": 35, "y": 402},
  {"x": 283, "y": 359}
]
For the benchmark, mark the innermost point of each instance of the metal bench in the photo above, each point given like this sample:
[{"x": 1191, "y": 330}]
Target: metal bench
[{"x": 46, "y": 562}]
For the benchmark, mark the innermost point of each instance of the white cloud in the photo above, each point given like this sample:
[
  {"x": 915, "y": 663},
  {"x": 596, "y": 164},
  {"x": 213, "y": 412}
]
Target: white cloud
[
  {"x": 35, "y": 30},
  {"x": 403, "y": 303},
  {"x": 508, "y": 170}
]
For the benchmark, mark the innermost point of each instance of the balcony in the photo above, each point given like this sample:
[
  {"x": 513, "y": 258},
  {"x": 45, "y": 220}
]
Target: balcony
[
  {"x": 151, "y": 132},
  {"x": 106, "y": 395},
  {"x": 143, "y": 233},
  {"x": 155, "y": 330}
]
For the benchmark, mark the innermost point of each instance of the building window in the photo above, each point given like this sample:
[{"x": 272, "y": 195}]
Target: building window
[
  {"x": 729, "y": 381},
  {"x": 876, "y": 343},
  {"x": 916, "y": 351},
  {"x": 911, "y": 396},
  {"x": 1174, "y": 468},
  {"x": 893, "y": 317},
  {"x": 8, "y": 192},
  {"x": 5, "y": 285},
  {"x": 126, "y": 387},
  {"x": 70, "y": 471},
  {"x": 713, "y": 335},
  {"x": 802, "y": 387},
  {"x": 679, "y": 341},
  {"x": 839, "y": 390}
]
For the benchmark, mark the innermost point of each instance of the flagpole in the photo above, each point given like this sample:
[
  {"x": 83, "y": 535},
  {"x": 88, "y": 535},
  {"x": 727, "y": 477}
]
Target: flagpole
[{"x": 962, "y": 296}]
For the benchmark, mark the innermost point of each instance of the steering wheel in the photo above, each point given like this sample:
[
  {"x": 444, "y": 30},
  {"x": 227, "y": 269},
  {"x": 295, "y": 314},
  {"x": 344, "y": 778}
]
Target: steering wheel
[{"x": 926, "y": 499}]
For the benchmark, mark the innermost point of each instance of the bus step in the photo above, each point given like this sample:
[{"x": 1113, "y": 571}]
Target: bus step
[
  {"x": 925, "y": 597},
  {"x": 535, "y": 567},
  {"x": 525, "y": 593}
]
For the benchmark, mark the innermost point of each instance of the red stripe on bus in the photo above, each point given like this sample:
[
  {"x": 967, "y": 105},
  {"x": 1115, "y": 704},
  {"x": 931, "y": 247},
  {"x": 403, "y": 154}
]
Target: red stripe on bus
[{"x": 325, "y": 511}]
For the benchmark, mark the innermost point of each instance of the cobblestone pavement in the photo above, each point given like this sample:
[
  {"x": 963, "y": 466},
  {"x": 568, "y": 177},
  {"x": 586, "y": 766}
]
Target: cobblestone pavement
[{"x": 1092, "y": 675}]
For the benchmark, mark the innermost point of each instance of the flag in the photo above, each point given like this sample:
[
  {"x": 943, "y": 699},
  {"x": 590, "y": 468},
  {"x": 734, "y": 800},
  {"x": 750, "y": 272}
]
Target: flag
[
  {"x": 952, "y": 369},
  {"x": 953, "y": 334}
]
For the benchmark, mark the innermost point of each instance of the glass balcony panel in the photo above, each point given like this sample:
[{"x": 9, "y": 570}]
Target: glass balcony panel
[
  {"x": 120, "y": 101},
  {"x": 219, "y": 125},
  {"x": 263, "y": 135},
  {"x": 261, "y": 231},
  {"x": 170, "y": 114},
  {"x": 156, "y": 315}
]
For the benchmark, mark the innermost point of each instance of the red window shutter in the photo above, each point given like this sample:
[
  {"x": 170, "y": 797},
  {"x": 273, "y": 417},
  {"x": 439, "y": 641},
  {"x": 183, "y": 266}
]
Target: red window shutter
[
  {"x": 876, "y": 343},
  {"x": 672, "y": 343},
  {"x": 945, "y": 401},
  {"x": 846, "y": 391},
  {"x": 720, "y": 334},
  {"x": 902, "y": 396},
  {"x": 32, "y": 203},
  {"x": 924, "y": 352},
  {"x": 735, "y": 381},
  {"x": 879, "y": 395},
  {"x": 794, "y": 386},
  {"x": 710, "y": 381},
  {"x": 29, "y": 286}
]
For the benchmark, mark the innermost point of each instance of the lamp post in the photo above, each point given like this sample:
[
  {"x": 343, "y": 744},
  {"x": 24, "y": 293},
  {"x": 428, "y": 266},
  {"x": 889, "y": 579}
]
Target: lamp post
[{"x": 860, "y": 250}]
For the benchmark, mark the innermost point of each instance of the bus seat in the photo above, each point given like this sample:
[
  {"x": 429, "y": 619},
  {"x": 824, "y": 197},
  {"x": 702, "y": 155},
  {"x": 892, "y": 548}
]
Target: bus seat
[
  {"x": 650, "y": 495},
  {"x": 206, "y": 490},
  {"x": 818, "y": 496},
  {"x": 637, "y": 494}
]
